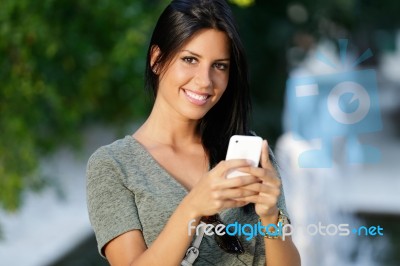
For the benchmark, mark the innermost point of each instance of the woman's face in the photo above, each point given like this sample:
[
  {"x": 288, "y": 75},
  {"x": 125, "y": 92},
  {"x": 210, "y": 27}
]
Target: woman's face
[{"x": 197, "y": 76}]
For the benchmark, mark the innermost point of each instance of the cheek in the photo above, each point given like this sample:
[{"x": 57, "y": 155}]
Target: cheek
[
  {"x": 221, "y": 82},
  {"x": 176, "y": 76},
  {"x": 179, "y": 72},
  {"x": 219, "y": 92}
]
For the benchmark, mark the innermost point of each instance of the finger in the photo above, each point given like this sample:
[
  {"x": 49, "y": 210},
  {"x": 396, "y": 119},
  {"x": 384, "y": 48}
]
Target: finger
[
  {"x": 265, "y": 199},
  {"x": 267, "y": 175},
  {"x": 239, "y": 181},
  {"x": 263, "y": 189},
  {"x": 224, "y": 204},
  {"x": 224, "y": 167},
  {"x": 234, "y": 204},
  {"x": 233, "y": 193},
  {"x": 265, "y": 161}
]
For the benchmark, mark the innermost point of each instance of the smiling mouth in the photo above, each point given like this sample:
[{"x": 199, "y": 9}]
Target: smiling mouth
[{"x": 198, "y": 99}]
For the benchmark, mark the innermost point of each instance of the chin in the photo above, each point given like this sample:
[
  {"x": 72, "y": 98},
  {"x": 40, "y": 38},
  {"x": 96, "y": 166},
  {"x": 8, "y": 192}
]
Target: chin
[{"x": 195, "y": 115}]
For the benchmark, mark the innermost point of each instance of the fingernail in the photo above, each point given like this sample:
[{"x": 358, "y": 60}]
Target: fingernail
[{"x": 249, "y": 162}]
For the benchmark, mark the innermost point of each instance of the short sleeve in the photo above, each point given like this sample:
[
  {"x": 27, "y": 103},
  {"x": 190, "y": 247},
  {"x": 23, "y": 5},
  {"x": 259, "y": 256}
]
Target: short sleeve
[{"x": 111, "y": 205}]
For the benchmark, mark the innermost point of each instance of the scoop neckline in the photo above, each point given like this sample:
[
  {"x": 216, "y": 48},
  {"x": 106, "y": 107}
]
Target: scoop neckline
[
  {"x": 135, "y": 142},
  {"x": 158, "y": 165}
]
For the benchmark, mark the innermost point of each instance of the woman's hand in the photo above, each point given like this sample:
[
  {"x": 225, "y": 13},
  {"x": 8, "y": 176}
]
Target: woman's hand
[
  {"x": 214, "y": 192},
  {"x": 268, "y": 190}
]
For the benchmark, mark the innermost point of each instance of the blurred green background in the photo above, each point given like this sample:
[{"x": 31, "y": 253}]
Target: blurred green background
[
  {"x": 68, "y": 64},
  {"x": 64, "y": 65}
]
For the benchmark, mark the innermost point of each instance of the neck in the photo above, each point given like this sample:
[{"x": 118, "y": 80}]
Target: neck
[{"x": 164, "y": 128}]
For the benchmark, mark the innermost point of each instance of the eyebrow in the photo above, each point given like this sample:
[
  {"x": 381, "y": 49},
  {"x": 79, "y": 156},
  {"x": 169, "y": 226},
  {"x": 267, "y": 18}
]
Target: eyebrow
[{"x": 199, "y": 56}]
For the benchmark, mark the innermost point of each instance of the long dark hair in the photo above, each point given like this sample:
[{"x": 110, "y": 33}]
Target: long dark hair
[{"x": 177, "y": 24}]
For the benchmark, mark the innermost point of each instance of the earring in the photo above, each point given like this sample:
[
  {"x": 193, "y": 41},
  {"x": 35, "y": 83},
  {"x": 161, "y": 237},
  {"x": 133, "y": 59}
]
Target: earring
[{"x": 155, "y": 68}]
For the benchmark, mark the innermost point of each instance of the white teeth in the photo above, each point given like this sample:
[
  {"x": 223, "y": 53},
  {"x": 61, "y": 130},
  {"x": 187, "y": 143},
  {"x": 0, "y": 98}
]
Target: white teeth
[{"x": 196, "y": 96}]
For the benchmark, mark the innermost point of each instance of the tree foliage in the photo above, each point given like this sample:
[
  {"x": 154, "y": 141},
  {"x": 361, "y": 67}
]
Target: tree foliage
[{"x": 65, "y": 63}]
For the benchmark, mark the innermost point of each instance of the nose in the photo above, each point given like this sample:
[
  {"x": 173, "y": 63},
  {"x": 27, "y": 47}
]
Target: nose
[{"x": 203, "y": 77}]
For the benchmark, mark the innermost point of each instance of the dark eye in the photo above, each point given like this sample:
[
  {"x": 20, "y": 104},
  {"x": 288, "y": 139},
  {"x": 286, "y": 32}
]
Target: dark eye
[
  {"x": 189, "y": 59},
  {"x": 221, "y": 66}
]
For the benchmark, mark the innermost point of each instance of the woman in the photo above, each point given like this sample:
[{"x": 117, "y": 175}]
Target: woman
[{"x": 144, "y": 190}]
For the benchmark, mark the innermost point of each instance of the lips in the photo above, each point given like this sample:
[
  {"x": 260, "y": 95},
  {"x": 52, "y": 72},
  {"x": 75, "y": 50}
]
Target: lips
[{"x": 196, "y": 98}]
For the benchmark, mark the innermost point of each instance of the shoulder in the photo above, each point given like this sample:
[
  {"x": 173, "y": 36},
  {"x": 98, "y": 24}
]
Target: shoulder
[
  {"x": 119, "y": 151},
  {"x": 113, "y": 157}
]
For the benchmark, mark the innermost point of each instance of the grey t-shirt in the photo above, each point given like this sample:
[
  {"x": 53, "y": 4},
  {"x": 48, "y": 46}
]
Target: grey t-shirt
[{"x": 127, "y": 189}]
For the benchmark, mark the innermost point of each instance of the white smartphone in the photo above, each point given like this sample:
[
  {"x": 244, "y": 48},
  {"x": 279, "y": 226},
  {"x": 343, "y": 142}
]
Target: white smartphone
[{"x": 244, "y": 147}]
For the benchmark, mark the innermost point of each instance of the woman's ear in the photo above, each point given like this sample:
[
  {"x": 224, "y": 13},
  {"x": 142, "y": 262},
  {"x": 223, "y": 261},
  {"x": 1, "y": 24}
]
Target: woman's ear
[{"x": 154, "y": 56}]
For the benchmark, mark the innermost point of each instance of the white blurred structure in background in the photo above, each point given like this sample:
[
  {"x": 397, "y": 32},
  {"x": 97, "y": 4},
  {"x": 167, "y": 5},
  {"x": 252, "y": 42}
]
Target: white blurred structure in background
[
  {"x": 332, "y": 195},
  {"x": 53, "y": 222}
]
